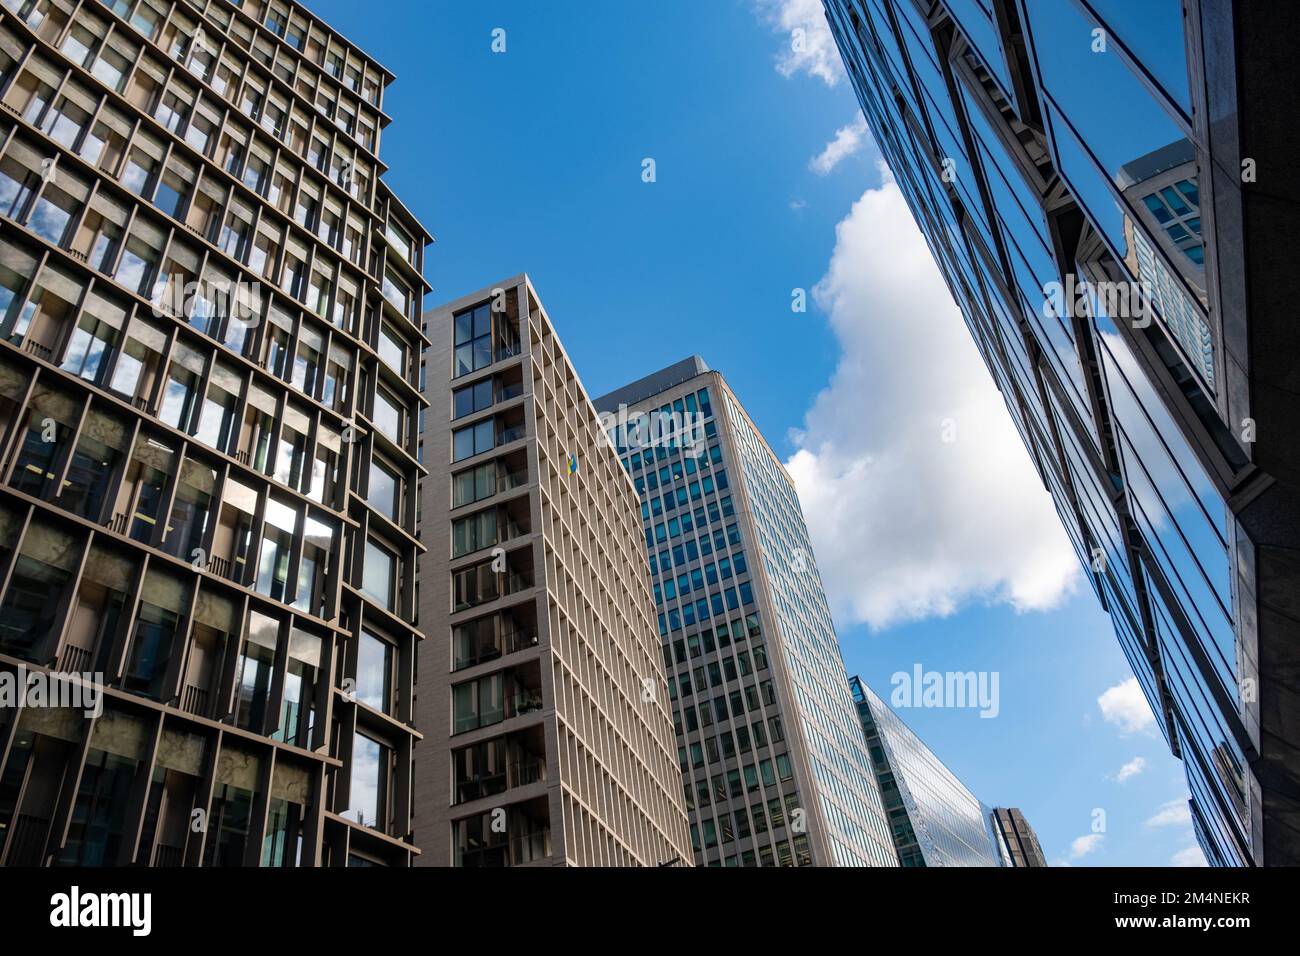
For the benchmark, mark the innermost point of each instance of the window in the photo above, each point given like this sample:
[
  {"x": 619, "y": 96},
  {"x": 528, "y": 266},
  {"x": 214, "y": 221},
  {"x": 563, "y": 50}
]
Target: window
[
  {"x": 388, "y": 417},
  {"x": 255, "y": 670},
  {"x": 392, "y": 349},
  {"x": 384, "y": 491},
  {"x": 478, "y": 703},
  {"x": 472, "y": 398},
  {"x": 473, "y": 533},
  {"x": 379, "y": 575},
  {"x": 369, "y": 792},
  {"x": 375, "y": 668},
  {"x": 396, "y": 292},
  {"x": 473, "y": 340},
  {"x": 54, "y": 210},
  {"x": 474, "y": 586},
  {"x": 401, "y": 241},
  {"x": 474, "y": 485},
  {"x": 474, "y": 440}
]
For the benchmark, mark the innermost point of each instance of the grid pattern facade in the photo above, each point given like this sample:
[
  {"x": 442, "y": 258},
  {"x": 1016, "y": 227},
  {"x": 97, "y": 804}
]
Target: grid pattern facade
[
  {"x": 773, "y": 764},
  {"x": 934, "y": 819},
  {"x": 542, "y": 646},
  {"x": 1055, "y": 155},
  {"x": 208, "y": 390}
]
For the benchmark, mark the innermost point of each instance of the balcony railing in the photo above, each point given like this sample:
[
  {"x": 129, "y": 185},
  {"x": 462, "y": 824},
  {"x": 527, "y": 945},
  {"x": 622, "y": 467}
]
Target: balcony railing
[
  {"x": 509, "y": 643},
  {"x": 513, "y": 433},
  {"x": 27, "y": 842},
  {"x": 168, "y": 856},
  {"x": 525, "y": 848},
  {"x": 118, "y": 523},
  {"x": 507, "y": 350},
  {"x": 74, "y": 659},
  {"x": 528, "y": 771},
  {"x": 519, "y": 774},
  {"x": 527, "y": 702},
  {"x": 508, "y": 392},
  {"x": 512, "y": 480},
  {"x": 194, "y": 700},
  {"x": 39, "y": 350}
]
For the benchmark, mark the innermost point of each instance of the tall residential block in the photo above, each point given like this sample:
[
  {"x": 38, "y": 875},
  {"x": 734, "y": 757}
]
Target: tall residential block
[
  {"x": 544, "y": 712},
  {"x": 208, "y": 389},
  {"x": 1107, "y": 188},
  {"x": 934, "y": 819},
  {"x": 1018, "y": 837},
  {"x": 771, "y": 754}
]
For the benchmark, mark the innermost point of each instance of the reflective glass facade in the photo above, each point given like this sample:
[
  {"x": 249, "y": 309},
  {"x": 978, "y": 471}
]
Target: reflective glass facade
[
  {"x": 774, "y": 767},
  {"x": 1055, "y": 156},
  {"x": 934, "y": 819}
]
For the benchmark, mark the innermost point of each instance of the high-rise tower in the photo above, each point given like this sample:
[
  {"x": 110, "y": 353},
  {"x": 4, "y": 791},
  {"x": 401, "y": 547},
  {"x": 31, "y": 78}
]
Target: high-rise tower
[
  {"x": 208, "y": 388},
  {"x": 544, "y": 712},
  {"x": 1106, "y": 187},
  {"x": 771, "y": 753}
]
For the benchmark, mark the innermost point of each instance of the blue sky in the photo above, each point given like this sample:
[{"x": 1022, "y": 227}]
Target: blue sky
[{"x": 531, "y": 160}]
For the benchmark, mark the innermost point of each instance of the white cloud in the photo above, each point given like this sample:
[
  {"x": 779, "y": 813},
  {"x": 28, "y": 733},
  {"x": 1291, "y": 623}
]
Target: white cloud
[
  {"x": 1084, "y": 845},
  {"x": 1175, "y": 813},
  {"x": 808, "y": 46},
  {"x": 1126, "y": 706},
  {"x": 1131, "y": 769},
  {"x": 798, "y": 205},
  {"x": 848, "y": 141},
  {"x": 906, "y": 525},
  {"x": 1189, "y": 856}
]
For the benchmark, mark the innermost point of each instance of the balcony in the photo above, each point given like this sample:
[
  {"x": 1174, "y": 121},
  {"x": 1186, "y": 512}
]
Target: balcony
[
  {"x": 492, "y": 648},
  {"x": 509, "y": 481},
  {"x": 521, "y": 773},
  {"x": 525, "y": 848},
  {"x": 494, "y": 698}
]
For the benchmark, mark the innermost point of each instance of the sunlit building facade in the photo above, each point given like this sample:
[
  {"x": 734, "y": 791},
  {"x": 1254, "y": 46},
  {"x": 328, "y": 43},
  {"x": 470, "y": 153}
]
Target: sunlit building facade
[
  {"x": 934, "y": 819},
  {"x": 1106, "y": 188},
  {"x": 773, "y": 764},
  {"x": 544, "y": 713},
  {"x": 209, "y": 308}
]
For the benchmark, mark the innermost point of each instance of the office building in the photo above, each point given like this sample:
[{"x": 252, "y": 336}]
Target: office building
[
  {"x": 1106, "y": 189},
  {"x": 933, "y": 818},
  {"x": 545, "y": 718},
  {"x": 772, "y": 760},
  {"x": 1017, "y": 838},
  {"x": 208, "y": 334}
]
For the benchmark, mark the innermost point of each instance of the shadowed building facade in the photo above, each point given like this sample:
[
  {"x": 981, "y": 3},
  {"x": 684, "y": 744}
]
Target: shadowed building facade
[
  {"x": 544, "y": 713},
  {"x": 1106, "y": 189},
  {"x": 208, "y": 390},
  {"x": 771, "y": 754}
]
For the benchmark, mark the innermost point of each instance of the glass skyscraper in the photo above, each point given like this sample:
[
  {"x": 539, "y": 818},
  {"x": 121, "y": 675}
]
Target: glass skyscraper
[
  {"x": 1101, "y": 184},
  {"x": 934, "y": 819},
  {"x": 774, "y": 766}
]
